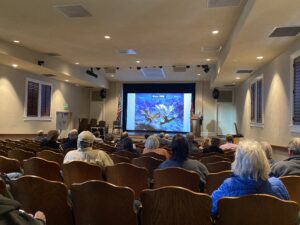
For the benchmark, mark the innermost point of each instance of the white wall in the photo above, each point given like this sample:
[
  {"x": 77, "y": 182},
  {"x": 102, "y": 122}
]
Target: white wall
[
  {"x": 277, "y": 115},
  {"x": 12, "y": 97}
]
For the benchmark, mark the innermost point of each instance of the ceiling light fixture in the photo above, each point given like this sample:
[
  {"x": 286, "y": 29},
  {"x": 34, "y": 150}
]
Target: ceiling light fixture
[
  {"x": 107, "y": 37},
  {"x": 215, "y": 32},
  {"x": 259, "y": 57},
  {"x": 138, "y": 61},
  {"x": 14, "y": 65},
  {"x": 77, "y": 63},
  {"x": 237, "y": 78},
  {"x": 198, "y": 74},
  {"x": 67, "y": 80},
  {"x": 208, "y": 60},
  {"x": 112, "y": 75},
  {"x": 16, "y": 41}
]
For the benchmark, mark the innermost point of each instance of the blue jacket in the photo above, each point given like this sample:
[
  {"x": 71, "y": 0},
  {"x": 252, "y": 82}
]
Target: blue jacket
[{"x": 236, "y": 186}]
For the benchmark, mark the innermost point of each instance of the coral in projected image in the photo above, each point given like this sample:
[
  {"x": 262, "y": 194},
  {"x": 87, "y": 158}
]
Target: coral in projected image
[{"x": 159, "y": 112}]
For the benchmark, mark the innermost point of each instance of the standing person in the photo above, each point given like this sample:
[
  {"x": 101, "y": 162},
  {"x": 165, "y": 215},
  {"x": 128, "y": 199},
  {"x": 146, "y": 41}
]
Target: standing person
[
  {"x": 152, "y": 145},
  {"x": 250, "y": 176},
  {"x": 86, "y": 153},
  {"x": 179, "y": 158}
]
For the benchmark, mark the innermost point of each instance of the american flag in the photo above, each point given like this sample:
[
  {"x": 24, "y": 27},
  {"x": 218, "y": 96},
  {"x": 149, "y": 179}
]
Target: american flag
[{"x": 119, "y": 109}]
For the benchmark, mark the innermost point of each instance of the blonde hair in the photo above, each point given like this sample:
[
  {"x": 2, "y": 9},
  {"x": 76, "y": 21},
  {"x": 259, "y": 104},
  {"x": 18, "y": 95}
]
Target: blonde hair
[
  {"x": 152, "y": 142},
  {"x": 267, "y": 149},
  {"x": 251, "y": 161}
]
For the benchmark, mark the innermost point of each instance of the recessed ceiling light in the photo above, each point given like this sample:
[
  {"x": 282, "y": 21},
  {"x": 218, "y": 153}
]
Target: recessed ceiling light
[
  {"x": 208, "y": 60},
  {"x": 237, "y": 78},
  {"x": 14, "y": 65},
  {"x": 67, "y": 80},
  {"x": 259, "y": 57},
  {"x": 198, "y": 74},
  {"x": 138, "y": 61},
  {"x": 16, "y": 41},
  {"x": 77, "y": 63},
  {"x": 215, "y": 32},
  {"x": 112, "y": 75},
  {"x": 107, "y": 37}
]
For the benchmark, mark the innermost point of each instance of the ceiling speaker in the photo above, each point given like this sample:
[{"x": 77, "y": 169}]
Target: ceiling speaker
[{"x": 216, "y": 93}]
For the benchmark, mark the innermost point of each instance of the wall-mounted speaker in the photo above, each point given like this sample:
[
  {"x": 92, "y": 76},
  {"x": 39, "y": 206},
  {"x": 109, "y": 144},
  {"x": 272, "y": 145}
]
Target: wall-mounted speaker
[
  {"x": 103, "y": 93},
  {"x": 216, "y": 93}
]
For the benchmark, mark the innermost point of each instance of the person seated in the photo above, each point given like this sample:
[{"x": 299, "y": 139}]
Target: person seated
[
  {"x": 86, "y": 153},
  {"x": 163, "y": 140},
  {"x": 71, "y": 142},
  {"x": 214, "y": 147},
  {"x": 291, "y": 165},
  {"x": 193, "y": 145},
  {"x": 228, "y": 146},
  {"x": 119, "y": 144},
  {"x": 145, "y": 137},
  {"x": 127, "y": 145},
  {"x": 179, "y": 158},
  {"x": 152, "y": 145},
  {"x": 205, "y": 143},
  {"x": 39, "y": 136},
  {"x": 10, "y": 214},
  {"x": 268, "y": 151},
  {"x": 109, "y": 138},
  {"x": 250, "y": 176},
  {"x": 98, "y": 139},
  {"x": 51, "y": 141}
]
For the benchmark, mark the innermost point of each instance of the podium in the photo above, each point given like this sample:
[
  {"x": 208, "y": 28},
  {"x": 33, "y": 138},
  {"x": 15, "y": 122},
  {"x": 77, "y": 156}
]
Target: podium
[{"x": 196, "y": 123}]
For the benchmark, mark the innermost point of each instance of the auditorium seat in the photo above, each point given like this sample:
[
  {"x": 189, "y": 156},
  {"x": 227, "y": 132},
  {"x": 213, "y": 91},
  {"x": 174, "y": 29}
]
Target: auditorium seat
[
  {"x": 128, "y": 175},
  {"x": 98, "y": 202},
  {"x": 147, "y": 162},
  {"x": 127, "y": 154},
  {"x": 3, "y": 153},
  {"x": 39, "y": 194},
  {"x": 119, "y": 159},
  {"x": 213, "y": 159},
  {"x": 292, "y": 184},
  {"x": 19, "y": 154},
  {"x": 175, "y": 206},
  {"x": 214, "y": 180},
  {"x": 78, "y": 172},
  {"x": 218, "y": 166},
  {"x": 258, "y": 209},
  {"x": 8, "y": 165},
  {"x": 42, "y": 168},
  {"x": 51, "y": 156},
  {"x": 176, "y": 177},
  {"x": 155, "y": 155}
]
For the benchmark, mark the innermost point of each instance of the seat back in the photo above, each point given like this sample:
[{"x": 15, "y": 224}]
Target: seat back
[
  {"x": 39, "y": 194},
  {"x": 107, "y": 205},
  {"x": 3, "y": 153},
  {"x": 218, "y": 166},
  {"x": 292, "y": 184},
  {"x": 176, "y": 177},
  {"x": 101, "y": 123},
  {"x": 147, "y": 162},
  {"x": 19, "y": 154},
  {"x": 119, "y": 159},
  {"x": 212, "y": 159},
  {"x": 155, "y": 155},
  {"x": 78, "y": 172},
  {"x": 128, "y": 175},
  {"x": 175, "y": 206},
  {"x": 127, "y": 154},
  {"x": 8, "y": 165},
  {"x": 42, "y": 168},
  {"x": 214, "y": 180},
  {"x": 51, "y": 156},
  {"x": 258, "y": 209}
]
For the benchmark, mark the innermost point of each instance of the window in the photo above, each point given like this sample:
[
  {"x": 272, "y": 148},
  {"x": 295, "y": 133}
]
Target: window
[
  {"x": 37, "y": 99},
  {"x": 256, "y": 91},
  {"x": 296, "y": 92}
]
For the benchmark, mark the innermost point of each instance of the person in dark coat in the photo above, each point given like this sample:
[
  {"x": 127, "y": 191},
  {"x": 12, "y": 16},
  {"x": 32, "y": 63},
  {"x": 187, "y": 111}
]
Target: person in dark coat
[
  {"x": 50, "y": 141},
  {"x": 214, "y": 147}
]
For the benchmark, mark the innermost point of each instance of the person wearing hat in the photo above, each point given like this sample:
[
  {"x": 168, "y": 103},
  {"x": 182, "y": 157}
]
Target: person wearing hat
[{"x": 86, "y": 153}]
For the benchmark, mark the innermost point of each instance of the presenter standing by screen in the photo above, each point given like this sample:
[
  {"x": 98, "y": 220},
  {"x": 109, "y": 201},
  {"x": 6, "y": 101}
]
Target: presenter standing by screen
[{"x": 200, "y": 122}]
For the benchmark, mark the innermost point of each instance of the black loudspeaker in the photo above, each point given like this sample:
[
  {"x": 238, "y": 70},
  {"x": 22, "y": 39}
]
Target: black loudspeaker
[
  {"x": 103, "y": 93},
  {"x": 216, "y": 93}
]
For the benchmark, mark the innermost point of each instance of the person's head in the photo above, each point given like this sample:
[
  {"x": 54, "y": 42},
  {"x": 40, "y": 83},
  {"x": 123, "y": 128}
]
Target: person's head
[
  {"x": 267, "y": 149},
  {"x": 215, "y": 141},
  {"x": 161, "y": 135},
  {"x": 229, "y": 138},
  {"x": 294, "y": 146},
  {"x": 127, "y": 144},
  {"x": 167, "y": 136},
  {"x": 109, "y": 138},
  {"x": 124, "y": 135},
  {"x": 40, "y": 133},
  {"x": 180, "y": 148},
  {"x": 205, "y": 142},
  {"x": 146, "y": 136},
  {"x": 73, "y": 134},
  {"x": 152, "y": 142},
  {"x": 96, "y": 134},
  {"x": 190, "y": 136},
  {"x": 52, "y": 135},
  {"x": 251, "y": 161},
  {"x": 85, "y": 140}
]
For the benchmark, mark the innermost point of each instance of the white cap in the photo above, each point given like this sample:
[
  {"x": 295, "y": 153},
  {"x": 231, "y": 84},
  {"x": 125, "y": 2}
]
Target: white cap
[{"x": 86, "y": 136}]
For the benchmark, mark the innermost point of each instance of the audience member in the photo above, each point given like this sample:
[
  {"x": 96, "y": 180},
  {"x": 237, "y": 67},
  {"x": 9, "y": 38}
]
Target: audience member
[
  {"x": 51, "y": 141},
  {"x": 109, "y": 138},
  {"x": 145, "y": 137},
  {"x": 127, "y": 145},
  {"x": 205, "y": 143},
  {"x": 163, "y": 140},
  {"x": 98, "y": 139},
  {"x": 268, "y": 151},
  {"x": 11, "y": 214},
  {"x": 290, "y": 166},
  {"x": 228, "y": 146},
  {"x": 250, "y": 175},
  {"x": 86, "y": 153},
  {"x": 71, "y": 142},
  {"x": 152, "y": 145},
  {"x": 214, "y": 147},
  {"x": 193, "y": 145},
  {"x": 39, "y": 136},
  {"x": 119, "y": 144},
  {"x": 179, "y": 158}
]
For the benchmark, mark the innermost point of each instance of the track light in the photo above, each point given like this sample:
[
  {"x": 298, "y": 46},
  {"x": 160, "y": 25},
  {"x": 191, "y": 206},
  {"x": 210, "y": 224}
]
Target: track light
[
  {"x": 205, "y": 68},
  {"x": 98, "y": 68},
  {"x": 138, "y": 68}
]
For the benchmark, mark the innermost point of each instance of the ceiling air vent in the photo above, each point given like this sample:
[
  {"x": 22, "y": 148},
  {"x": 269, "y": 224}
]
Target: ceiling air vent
[
  {"x": 225, "y": 96},
  {"x": 127, "y": 51},
  {"x": 222, "y": 3},
  {"x": 153, "y": 73},
  {"x": 285, "y": 32},
  {"x": 48, "y": 75},
  {"x": 53, "y": 54},
  {"x": 73, "y": 11},
  {"x": 180, "y": 68},
  {"x": 211, "y": 49},
  {"x": 244, "y": 71},
  {"x": 229, "y": 85}
]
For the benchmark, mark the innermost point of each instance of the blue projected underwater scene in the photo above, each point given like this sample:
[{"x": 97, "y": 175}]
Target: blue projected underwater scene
[{"x": 154, "y": 111}]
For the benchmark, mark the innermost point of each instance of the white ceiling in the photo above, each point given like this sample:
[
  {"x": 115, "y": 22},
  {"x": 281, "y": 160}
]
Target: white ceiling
[{"x": 163, "y": 32}]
